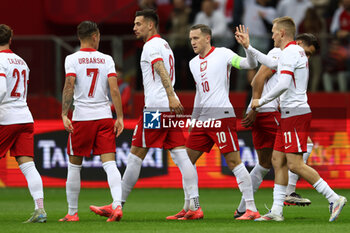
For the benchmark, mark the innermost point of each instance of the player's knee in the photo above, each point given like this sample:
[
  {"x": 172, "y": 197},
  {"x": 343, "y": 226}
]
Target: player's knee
[{"x": 278, "y": 163}]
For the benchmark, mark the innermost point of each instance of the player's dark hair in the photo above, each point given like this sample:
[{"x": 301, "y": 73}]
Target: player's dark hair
[
  {"x": 204, "y": 28},
  {"x": 86, "y": 29},
  {"x": 5, "y": 34},
  {"x": 308, "y": 39},
  {"x": 149, "y": 14}
]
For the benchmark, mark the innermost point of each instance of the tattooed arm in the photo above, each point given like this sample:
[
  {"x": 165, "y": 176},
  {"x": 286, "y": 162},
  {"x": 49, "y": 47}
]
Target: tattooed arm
[
  {"x": 67, "y": 99},
  {"x": 174, "y": 103}
]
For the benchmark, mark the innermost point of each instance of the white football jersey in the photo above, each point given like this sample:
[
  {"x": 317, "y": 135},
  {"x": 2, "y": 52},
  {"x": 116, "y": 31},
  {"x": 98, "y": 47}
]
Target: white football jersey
[
  {"x": 156, "y": 49},
  {"x": 293, "y": 61},
  {"x": 13, "y": 108},
  {"x": 212, "y": 77},
  {"x": 91, "y": 70},
  {"x": 268, "y": 85}
]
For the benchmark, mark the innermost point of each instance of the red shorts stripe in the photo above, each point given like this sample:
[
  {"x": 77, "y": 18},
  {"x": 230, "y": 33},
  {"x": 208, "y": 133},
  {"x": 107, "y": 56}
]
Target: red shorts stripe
[
  {"x": 96, "y": 136},
  {"x": 18, "y": 138}
]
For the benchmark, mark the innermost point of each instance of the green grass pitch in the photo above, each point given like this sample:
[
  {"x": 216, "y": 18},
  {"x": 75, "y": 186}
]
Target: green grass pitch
[{"x": 146, "y": 210}]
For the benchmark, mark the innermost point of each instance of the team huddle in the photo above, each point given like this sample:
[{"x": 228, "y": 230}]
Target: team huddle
[{"x": 278, "y": 114}]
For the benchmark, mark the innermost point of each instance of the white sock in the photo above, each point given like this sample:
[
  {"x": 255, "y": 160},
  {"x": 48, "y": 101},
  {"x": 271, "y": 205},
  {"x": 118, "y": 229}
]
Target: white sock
[
  {"x": 35, "y": 184},
  {"x": 322, "y": 187},
  {"x": 257, "y": 175},
  {"x": 114, "y": 182},
  {"x": 292, "y": 182},
  {"x": 73, "y": 187},
  {"x": 308, "y": 152},
  {"x": 189, "y": 176},
  {"x": 279, "y": 194},
  {"x": 131, "y": 175},
  {"x": 244, "y": 182},
  {"x": 187, "y": 197}
]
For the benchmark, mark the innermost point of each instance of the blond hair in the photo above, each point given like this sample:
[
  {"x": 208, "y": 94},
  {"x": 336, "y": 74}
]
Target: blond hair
[{"x": 286, "y": 23}]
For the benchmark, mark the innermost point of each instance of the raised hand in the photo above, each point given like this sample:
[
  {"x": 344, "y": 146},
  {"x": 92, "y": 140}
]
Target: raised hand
[{"x": 242, "y": 35}]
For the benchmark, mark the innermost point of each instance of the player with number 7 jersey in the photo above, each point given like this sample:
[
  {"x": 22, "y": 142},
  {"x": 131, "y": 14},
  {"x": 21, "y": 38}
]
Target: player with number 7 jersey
[
  {"x": 89, "y": 73},
  {"x": 92, "y": 70}
]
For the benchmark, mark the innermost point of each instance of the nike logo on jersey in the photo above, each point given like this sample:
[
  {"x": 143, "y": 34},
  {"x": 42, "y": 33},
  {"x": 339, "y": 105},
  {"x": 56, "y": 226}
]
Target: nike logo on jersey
[
  {"x": 286, "y": 147},
  {"x": 220, "y": 147},
  {"x": 202, "y": 75},
  {"x": 133, "y": 139}
]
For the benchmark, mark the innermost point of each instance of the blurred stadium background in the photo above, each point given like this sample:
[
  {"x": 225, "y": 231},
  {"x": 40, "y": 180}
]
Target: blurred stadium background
[{"x": 45, "y": 33}]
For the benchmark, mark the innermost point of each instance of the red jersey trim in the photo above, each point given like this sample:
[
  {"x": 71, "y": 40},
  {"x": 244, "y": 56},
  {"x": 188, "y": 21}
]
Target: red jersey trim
[
  {"x": 157, "y": 59},
  {"x": 3, "y": 75},
  {"x": 290, "y": 73},
  {"x": 210, "y": 51},
  {"x": 273, "y": 71},
  {"x": 154, "y": 36},
  {"x": 112, "y": 75},
  {"x": 71, "y": 74},
  {"x": 6, "y": 51},
  {"x": 292, "y": 42},
  {"x": 88, "y": 50}
]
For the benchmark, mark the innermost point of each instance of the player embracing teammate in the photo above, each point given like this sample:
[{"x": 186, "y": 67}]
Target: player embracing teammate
[{"x": 293, "y": 71}]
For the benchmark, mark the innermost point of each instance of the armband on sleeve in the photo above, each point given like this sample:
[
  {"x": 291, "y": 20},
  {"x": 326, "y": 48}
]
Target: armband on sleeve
[{"x": 235, "y": 62}]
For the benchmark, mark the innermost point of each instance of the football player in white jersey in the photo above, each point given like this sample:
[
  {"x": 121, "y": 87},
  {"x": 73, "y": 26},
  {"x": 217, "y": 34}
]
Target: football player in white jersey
[
  {"x": 265, "y": 121},
  {"x": 211, "y": 70},
  {"x": 16, "y": 121},
  {"x": 292, "y": 69},
  {"x": 157, "y": 65},
  {"x": 88, "y": 75}
]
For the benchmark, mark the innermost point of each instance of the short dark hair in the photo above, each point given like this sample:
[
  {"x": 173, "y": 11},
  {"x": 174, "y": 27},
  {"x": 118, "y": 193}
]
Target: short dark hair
[
  {"x": 86, "y": 28},
  {"x": 149, "y": 14},
  {"x": 5, "y": 34},
  {"x": 204, "y": 28},
  {"x": 308, "y": 39}
]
